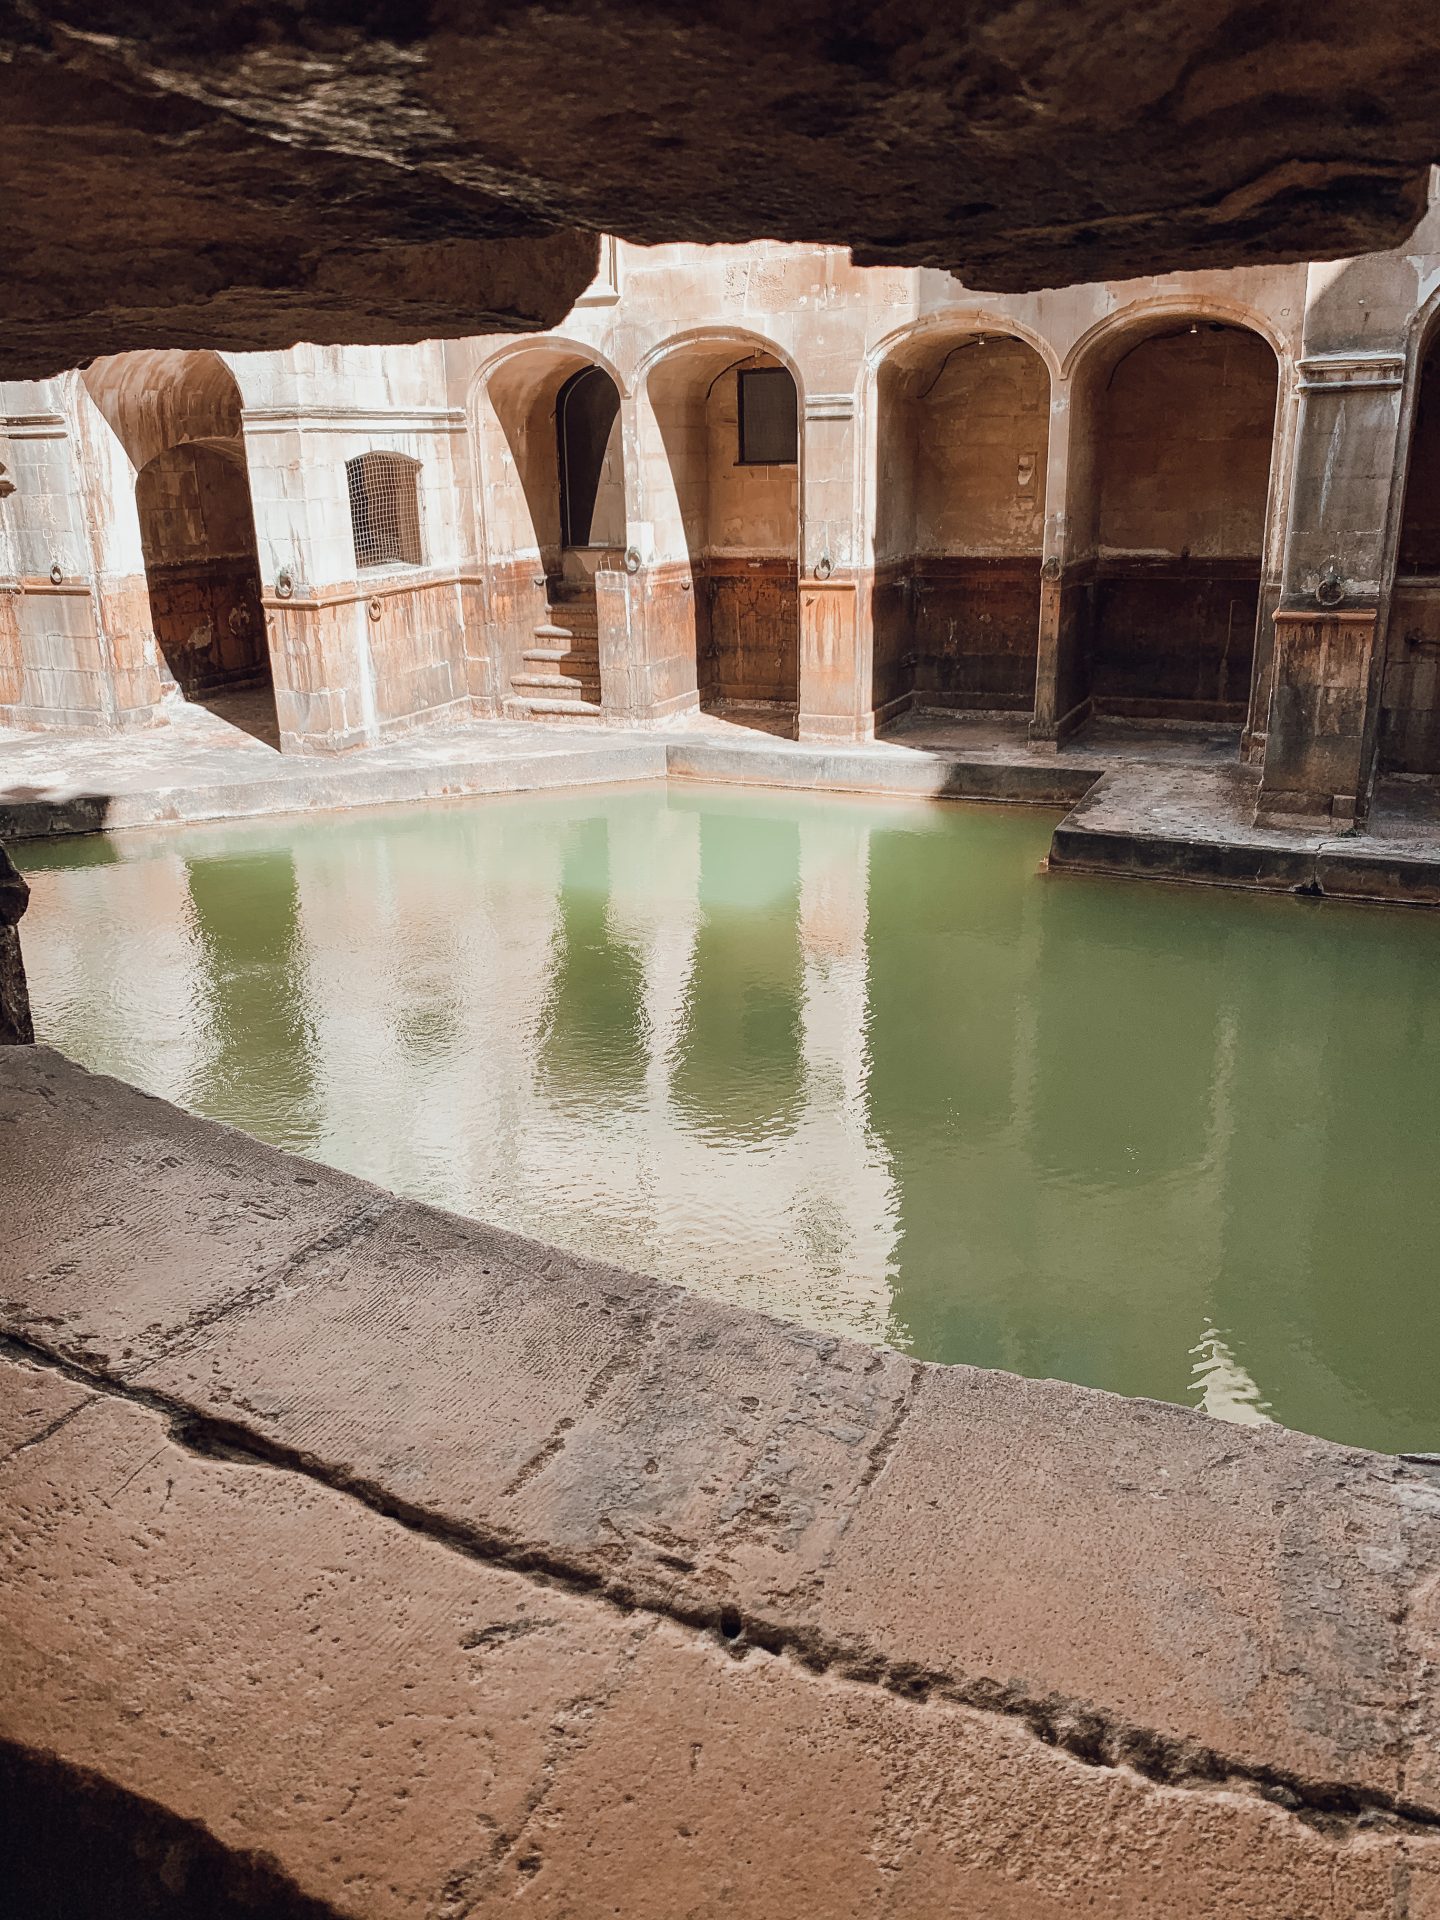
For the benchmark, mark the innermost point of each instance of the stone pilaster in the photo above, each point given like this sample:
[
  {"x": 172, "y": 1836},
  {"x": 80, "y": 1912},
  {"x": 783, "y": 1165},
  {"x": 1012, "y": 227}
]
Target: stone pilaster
[
  {"x": 1062, "y": 658},
  {"x": 1324, "y": 674}
]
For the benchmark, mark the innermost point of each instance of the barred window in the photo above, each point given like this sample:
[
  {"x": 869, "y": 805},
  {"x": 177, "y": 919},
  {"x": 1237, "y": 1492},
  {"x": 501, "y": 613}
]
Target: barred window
[
  {"x": 385, "y": 509},
  {"x": 768, "y": 415}
]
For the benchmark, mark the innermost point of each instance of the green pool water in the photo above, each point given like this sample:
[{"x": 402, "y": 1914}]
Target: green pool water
[{"x": 856, "y": 1062}]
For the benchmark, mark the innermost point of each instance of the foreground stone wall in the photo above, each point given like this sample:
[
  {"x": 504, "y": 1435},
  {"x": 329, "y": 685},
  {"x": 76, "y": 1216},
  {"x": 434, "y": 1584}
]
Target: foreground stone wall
[{"x": 398, "y": 1565}]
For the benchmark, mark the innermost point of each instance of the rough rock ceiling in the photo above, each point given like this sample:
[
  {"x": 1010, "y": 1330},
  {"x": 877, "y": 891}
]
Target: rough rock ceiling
[{"x": 179, "y": 174}]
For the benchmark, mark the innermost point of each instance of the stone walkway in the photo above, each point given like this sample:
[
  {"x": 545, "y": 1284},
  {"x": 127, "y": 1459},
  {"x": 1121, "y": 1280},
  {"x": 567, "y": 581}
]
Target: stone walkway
[
  {"x": 1154, "y": 803},
  {"x": 200, "y": 767},
  {"x": 376, "y": 1563},
  {"x": 1196, "y": 823}
]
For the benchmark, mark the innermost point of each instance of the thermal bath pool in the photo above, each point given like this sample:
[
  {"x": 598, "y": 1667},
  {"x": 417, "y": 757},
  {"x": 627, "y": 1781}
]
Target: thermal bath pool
[{"x": 855, "y": 1062}]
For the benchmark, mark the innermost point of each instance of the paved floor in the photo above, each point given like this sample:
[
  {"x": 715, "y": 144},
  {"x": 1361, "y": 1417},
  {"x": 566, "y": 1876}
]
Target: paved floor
[
  {"x": 201, "y": 749},
  {"x": 453, "y": 1575}
]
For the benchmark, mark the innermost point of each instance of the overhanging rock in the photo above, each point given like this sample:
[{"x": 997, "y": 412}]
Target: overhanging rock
[{"x": 377, "y": 173}]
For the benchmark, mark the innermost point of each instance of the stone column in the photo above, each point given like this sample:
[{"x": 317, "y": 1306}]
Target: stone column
[
  {"x": 836, "y": 694},
  {"x": 1325, "y": 672},
  {"x": 1067, "y": 566},
  {"x": 15, "y": 1026}
]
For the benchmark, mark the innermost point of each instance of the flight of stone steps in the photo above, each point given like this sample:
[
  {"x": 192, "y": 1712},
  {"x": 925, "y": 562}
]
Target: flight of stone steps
[{"x": 560, "y": 675}]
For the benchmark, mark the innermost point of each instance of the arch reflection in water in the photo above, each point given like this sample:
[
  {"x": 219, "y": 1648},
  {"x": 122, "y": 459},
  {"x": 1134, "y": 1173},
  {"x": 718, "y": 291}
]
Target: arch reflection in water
[{"x": 853, "y": 1062}]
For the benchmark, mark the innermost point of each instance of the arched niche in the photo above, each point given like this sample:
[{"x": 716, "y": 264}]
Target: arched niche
[
  {"x": 962, "y": 436},
  {"x": 178, "y": 415},
  {"x": 726, "y": 519},
  {"x": 1409, "y": 739},
  {"x": 1170, "y": 492}
]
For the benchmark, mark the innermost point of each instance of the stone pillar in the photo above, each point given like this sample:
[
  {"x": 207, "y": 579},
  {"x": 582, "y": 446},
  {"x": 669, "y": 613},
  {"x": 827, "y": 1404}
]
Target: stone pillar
[
  {"x": 836, "y": 692},
  {"x": 15, "y": 1026},
  {"x": 1067, "y": 569},
  {"x": 649, "y": 636},
  {"x": 1324, "y": 676},
  {"x": 624, "y": 674}
]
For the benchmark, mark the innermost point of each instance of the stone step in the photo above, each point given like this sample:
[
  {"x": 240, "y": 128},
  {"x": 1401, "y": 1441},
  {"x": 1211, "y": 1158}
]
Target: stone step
[
  {"x": 557, "y": 683},
  {"x": 518, "y": 708},
  {"x": 579, "y": 656},
  {"x": 574, "y": 617}
]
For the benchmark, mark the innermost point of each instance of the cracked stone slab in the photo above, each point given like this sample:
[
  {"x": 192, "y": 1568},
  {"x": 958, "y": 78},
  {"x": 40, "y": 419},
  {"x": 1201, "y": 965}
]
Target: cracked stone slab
[
  {"x": 1131, "y": 1584},
  {"x": 277, "y": 1685}
]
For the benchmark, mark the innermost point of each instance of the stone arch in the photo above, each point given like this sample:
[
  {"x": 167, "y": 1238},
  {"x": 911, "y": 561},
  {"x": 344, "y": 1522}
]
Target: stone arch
[
  {"x": 179, "y": 417},
  {"x": 1409, "y": 726},
  {"x": 540, "y": 585},
  {"x": 725, "y": 524},
  {"x": 961, "y": 445},
  {"x": 1174, "y": 413}
]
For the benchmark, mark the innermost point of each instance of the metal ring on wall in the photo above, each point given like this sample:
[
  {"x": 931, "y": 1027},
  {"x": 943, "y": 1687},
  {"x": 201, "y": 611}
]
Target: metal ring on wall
[
  {"x": 284, "y": 583},
  {"x": 632, "y": 559},
  {"x": 57, "y": 574},
  {"x": 375, "y": 608},
  {"x": 824, "y": 567},
  {"x": 1330, "y": 588}
]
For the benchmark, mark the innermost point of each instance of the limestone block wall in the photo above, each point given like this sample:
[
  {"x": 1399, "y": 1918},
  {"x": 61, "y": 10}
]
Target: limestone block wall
[
  {"x": 360, "y": 652},
  {"x": 55, "y": 667}
]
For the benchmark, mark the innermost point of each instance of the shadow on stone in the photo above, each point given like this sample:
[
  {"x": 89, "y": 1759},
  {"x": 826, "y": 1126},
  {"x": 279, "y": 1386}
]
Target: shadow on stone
[{"x": 77, "y": 1847}]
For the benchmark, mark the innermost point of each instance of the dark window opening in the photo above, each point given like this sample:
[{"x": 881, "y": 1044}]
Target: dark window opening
[
  {"x": 385, "y": 509},
  {"x": 768, "y": 413},
  {"x": 585, "y": 412}
]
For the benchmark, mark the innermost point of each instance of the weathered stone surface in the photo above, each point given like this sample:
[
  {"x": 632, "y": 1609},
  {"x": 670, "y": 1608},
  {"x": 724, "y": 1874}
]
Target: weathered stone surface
[
  {"x": 302, "y": 1700},
  {"x": 133, "y": 216},
  {"x": 860, "y": 1620},
  {"x": 381, "y": 173}
]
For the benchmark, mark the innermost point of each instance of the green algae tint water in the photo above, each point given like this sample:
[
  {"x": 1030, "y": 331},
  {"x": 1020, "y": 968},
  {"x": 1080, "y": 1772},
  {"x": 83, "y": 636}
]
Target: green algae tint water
[{"x": 856, "y": 1062}]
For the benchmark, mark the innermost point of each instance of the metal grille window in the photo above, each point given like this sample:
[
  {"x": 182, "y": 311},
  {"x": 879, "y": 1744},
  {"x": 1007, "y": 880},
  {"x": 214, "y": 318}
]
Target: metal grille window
[
  {"x": 385, "y": 509},
  {"x": 768, "y": 409}
]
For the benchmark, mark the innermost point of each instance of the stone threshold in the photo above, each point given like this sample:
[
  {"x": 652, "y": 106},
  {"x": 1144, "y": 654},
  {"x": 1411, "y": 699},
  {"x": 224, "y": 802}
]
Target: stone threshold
[{"x": 396, "y": 1565}]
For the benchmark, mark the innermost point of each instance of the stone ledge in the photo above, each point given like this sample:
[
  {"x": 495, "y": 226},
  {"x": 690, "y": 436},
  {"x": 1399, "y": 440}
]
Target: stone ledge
[{"x": 286, "y": 1441}]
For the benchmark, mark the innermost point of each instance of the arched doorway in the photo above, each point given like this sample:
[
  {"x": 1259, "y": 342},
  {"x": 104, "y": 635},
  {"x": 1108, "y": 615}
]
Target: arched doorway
[
  {"x": 591, "y": 463},
  {"x": 555, "y": 509},
  {"x": 962, "y": 438},
  {"x": 203, "y": 572},
  {"x": 1410, "y": 701},
  {"x": 1183, "y": 425},
  {"x": 178, "y": 417},
  {"x": 728, "y": 524}
]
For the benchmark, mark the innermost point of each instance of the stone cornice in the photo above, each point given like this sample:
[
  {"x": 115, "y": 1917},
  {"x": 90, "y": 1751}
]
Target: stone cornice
[
  {"x": 257, "y": 420},
  {"x": 1345, "y": 372}
]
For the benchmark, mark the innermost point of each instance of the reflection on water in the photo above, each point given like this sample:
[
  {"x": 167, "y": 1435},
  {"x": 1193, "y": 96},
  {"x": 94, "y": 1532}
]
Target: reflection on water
[{"x": 851, "y": 1061}]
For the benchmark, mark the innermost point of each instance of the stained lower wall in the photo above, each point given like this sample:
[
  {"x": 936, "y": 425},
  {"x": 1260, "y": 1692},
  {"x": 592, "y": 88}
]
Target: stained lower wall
[
  {"x": 1410, "y": 692},
  {"x": 1174, "y": 636},
  {"x": 748, "y": 616},
  {"x": 352, "y": 667}
]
